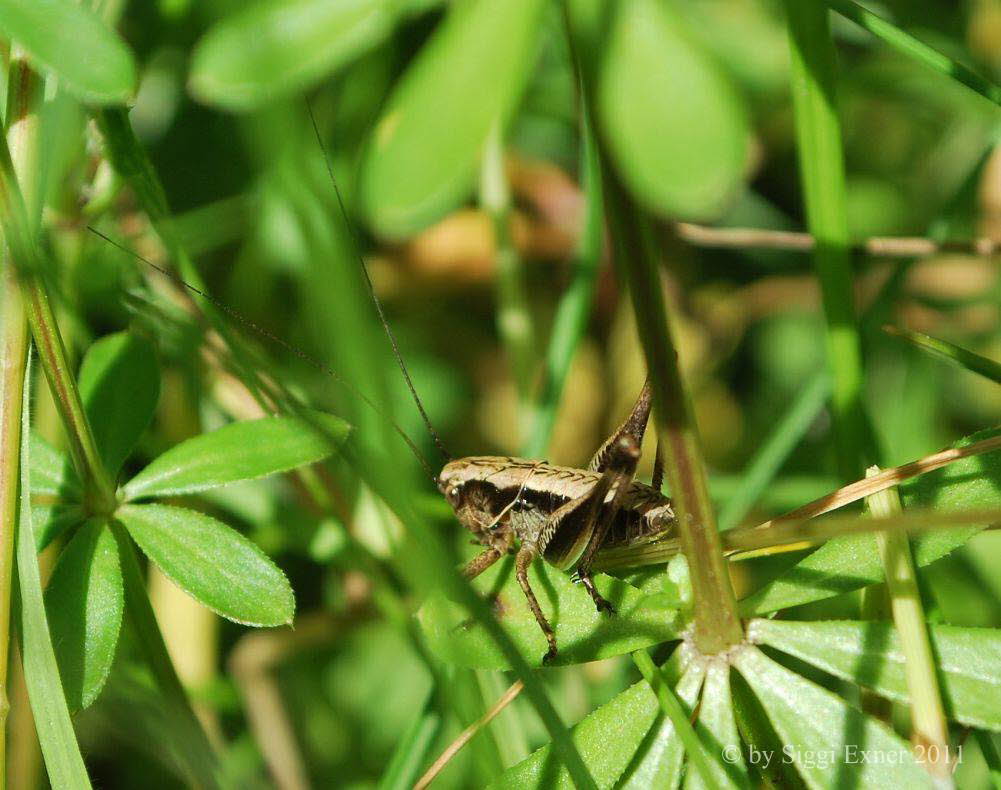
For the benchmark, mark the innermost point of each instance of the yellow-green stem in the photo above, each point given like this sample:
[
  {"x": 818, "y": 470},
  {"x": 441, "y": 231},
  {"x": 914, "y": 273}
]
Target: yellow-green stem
[
  {"x": 13, "y": 360},
  {"x": 927, "y": 713}
]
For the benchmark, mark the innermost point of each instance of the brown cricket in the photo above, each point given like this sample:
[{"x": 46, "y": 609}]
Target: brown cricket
[{"x": 566, "y": 515}]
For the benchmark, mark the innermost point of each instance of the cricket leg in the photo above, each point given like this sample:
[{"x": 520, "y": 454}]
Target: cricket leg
[
  {"x": 522, "y": 561},
  {"x": 481, "y": 562},
  {"x": 657, "y": 481},
  {"x": 622, "y": 461}
]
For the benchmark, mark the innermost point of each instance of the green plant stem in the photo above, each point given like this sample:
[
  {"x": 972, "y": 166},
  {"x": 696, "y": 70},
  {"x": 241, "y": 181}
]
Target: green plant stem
[
  {"x": 717, "y": 625},
  {"x": 927, "y": 712},
  {"x": 13, "y": 362},
  {"x": 822, "y": 173},
  {"x": 907, "y": 44},
  {"x": 514, "y": 317},
  {"x": 575, "y": 306},
  {"x": 201, "y": 759}
]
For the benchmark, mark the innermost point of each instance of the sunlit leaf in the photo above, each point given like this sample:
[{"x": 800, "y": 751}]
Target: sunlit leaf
[
  {"x": 824, "y": 736},
  {"x": 847, "y": 563},
  {"x": 239, "y": 451},
  {"x": 212, "y": 562},
  {"x": 425, "y": 152},
  {"x": 119, "y": 384},
  {"x": 868, "y": 653},
  {"x": 70, "y": 40},
  {"x": 84, "y": 602},
  {"x": 277, "y": 48},
  {"x": 676, "y": 127},
  {"x": 582, "y": 633}
]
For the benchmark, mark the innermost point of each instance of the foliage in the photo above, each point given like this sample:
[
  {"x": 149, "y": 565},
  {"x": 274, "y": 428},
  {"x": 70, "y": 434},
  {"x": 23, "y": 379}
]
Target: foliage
[{"x": 225, "y": 187}]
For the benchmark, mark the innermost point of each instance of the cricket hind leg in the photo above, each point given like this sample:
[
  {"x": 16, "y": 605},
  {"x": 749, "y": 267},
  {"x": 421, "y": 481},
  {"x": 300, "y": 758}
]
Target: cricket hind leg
[
  {"x": 621, "y": 466},
  {"x": 481, "y": 562},
  {"x": 634, "y": 426}
]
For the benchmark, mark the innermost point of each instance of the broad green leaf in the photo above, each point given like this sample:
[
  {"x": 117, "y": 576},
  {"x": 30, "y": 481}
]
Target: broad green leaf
[
  {"x": 53, "y": 726},
  {"x": 277, "y": 48},
  {"x": 676, "y": 127},
  {"x": 582, "y": 633},
  {"x": 239, "y": 451},
  {"x": 824, "y": 736},
  {"x": 717, "y": 729},
  {"x": 212, "y": 562},
  {"x": 51, "y": 472},
  {"x": 660, "y": 758},
  {"x": 847, "y": 563},
  {"x": 608, "y": 740},
  {"x": 424, "y": 155},
  {"x": 868, "y": 653},
  {"x": 51, "y": 521},
  {"x": 70, "y": 40},
  {"x": 84, "y": 602},
  {"x": 119, "y": 385}
]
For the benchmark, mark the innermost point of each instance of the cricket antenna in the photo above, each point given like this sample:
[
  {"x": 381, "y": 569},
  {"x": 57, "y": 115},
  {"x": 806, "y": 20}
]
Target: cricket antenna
[
  {"x": 249, "y": 323},
  {"x": 371, "y": 289}
]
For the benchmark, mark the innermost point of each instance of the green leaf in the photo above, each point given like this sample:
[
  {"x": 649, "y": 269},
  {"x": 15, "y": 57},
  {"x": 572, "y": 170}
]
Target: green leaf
[
  {"x": 212, "y": 562},
  {"x": 660, "y": 758},
  {"x": 717, "y": 730},
  {"x": 847, "y": 563},
  {"x": 629, "y": 716},
  {"x": 824, "y": 736},
  {"x": 53, "y": 726},
  {"x": 239, "y": 451},
  {"x": 582, "y": 633},
  {"x": 868, "y": 653},
  {"x": 676, "y": 127},
  {"x": 52, "y": 473},
  {"x": 71, "y": 41},
  {"x": 119, "y": 384},
  {"x": 51, "y": 521},
  {"x": 277, "y": 48},
  {"x": 424, "y": 155},
  {"x": 84, "y": 602}
]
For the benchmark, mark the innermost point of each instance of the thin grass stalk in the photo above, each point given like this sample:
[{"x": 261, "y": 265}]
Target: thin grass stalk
[
  {"x": 773, "y": 453},
  {"x": 822, "y": 173},
  {"x": 514, "y": 315},
  {"x": 908, "y": 45},
  {"x": 928, "y": 722},
  {"x": 943, "y": 349},
  {"x": 574, "y": 308}
]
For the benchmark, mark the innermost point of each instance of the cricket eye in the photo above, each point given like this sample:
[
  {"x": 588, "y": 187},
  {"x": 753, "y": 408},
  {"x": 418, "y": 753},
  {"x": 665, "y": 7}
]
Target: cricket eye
[{"x": 453, "y": 492}]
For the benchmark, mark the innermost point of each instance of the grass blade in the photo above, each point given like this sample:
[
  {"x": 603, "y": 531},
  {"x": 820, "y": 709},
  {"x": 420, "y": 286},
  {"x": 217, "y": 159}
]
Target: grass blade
[
  {"x": 41, "y": 673},
  {"x": 975, "y": 363}
]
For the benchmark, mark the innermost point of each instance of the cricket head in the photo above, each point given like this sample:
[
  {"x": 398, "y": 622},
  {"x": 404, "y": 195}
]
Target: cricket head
[{"x": 473, "y": 500}]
